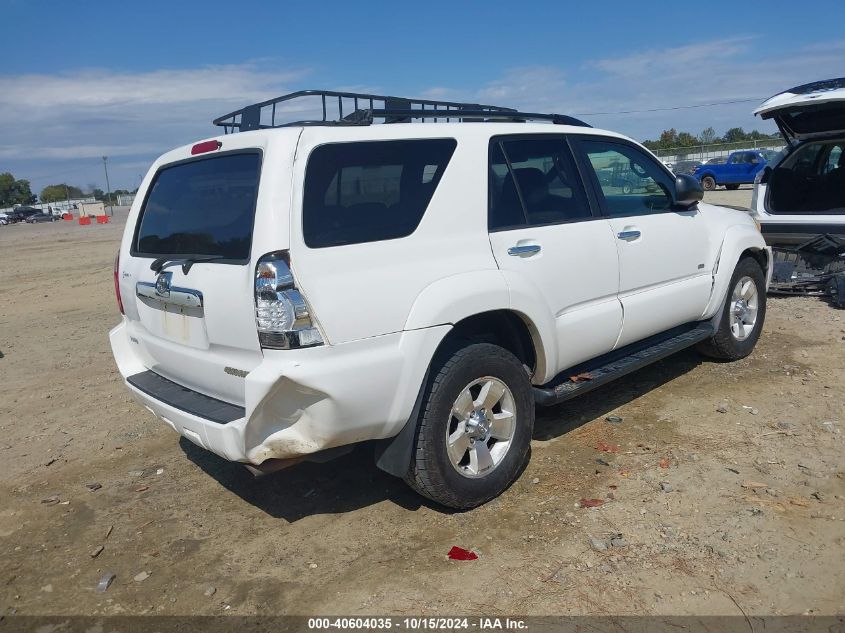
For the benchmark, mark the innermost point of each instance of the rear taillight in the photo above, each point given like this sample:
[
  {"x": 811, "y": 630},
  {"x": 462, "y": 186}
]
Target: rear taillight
[
  {"x": 117, "y": 282},
  {"x": 281, "y": 312}
]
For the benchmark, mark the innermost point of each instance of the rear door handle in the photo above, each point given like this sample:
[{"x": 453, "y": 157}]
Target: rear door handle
[
  {"x": 628, "y": 235},
  {"x": 524, "y": 250}
]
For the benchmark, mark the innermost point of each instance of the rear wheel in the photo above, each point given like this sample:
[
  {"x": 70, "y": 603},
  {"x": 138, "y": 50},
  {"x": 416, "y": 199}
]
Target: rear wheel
[
  {"x": 474, "y": 427},
  {"x": 742, "y": 315},
  {"x": 708, "y": 183}
]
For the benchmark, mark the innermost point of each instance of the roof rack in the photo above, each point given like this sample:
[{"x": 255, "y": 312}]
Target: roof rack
[{"x": 366, "y": 109}]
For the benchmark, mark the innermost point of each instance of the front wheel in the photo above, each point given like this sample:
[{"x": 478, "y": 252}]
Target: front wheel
[
  {"x": 474, "y": 427},
  {"x": 708, "y": 183},
  {"x": 742, "y": 315}
]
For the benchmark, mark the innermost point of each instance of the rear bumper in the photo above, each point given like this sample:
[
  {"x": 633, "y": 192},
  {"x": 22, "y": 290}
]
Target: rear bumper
[{"x": 298, "y": 402}]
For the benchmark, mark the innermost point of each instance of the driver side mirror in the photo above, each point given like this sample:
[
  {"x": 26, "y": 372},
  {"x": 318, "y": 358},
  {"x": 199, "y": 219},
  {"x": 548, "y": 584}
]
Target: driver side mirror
[{"x": 688, "y": 191}]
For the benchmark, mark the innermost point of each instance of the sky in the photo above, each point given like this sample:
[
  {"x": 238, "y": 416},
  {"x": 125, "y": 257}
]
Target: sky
[{"x": 130, "y": 81}]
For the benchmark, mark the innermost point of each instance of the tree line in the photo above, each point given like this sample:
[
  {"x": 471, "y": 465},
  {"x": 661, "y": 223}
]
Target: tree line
[
  {"x": 15, "y": 191},
  {"x": 672, "y": 138}
]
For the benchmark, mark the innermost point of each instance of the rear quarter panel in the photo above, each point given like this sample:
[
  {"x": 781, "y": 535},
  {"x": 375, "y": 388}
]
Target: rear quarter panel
[{"x": 369, "y": 289}]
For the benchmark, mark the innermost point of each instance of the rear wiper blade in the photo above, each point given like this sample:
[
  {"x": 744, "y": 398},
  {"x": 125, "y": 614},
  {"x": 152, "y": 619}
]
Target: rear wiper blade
[{"x": 163, "y": 262}]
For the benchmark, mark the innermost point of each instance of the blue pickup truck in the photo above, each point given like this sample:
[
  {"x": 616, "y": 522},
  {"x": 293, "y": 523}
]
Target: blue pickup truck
[{"x": 740, "y": 169}]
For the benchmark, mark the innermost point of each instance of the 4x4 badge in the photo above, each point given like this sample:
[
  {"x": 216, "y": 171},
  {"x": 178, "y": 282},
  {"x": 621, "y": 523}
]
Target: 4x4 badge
[{"x": 163, "y": 284}]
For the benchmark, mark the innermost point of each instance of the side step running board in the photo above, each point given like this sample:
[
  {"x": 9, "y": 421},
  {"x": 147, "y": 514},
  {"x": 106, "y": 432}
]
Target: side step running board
[{"x": 608, "y": 367}]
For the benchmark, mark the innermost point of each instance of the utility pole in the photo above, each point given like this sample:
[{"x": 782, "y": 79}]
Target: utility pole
[
  {"x": 67, "y": 197},
  {"x": 108, "y": 186}
]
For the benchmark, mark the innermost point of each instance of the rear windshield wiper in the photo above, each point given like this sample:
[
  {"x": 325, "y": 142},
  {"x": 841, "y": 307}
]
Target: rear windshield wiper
[{"x": 163, "y": 262}]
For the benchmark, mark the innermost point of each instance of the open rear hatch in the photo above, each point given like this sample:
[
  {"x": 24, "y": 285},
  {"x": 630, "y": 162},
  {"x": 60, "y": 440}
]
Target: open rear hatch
[
  {"x": 813, "y": 110},
  {"x": 191, "y": 309}
]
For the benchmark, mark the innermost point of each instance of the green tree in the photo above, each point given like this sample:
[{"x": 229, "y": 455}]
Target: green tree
[
  {"x": 13, "y": 191},
  {"x": 707, "y": 136},
  {"x": 668, "y": 138},
  {"x": 685, "y": 139},
  {"x": 54, "y": 193},
  {"x": 735, "y": 135}
]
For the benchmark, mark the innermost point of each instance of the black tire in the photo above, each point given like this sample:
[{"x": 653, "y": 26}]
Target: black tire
[
  {"x": 708, "y": 183},
  {"x": 731, "y": 187},
  {"x": 627, "y": 188},
  {"x": 431, "y": 472},
  {"x": 724, "y": 345}
]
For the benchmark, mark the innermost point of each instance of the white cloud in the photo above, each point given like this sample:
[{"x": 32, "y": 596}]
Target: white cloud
[
  {"x": 647, "y": 63},
  {"x": 696, "y": 74},
  {"x": 52, "y": 125},
  {"x": 101, "y": 88},
  {"x": 51, "y": 122}
]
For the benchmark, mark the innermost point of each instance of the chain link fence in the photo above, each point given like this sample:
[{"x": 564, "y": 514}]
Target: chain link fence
[{"x": 716, "y": 150}]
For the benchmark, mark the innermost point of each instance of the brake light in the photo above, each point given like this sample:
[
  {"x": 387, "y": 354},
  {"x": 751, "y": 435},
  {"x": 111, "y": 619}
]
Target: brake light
[
  {"x": 282, "y": 315},
  {"x": 206, "y": 146},
  {"x": 117, "y": 282}
]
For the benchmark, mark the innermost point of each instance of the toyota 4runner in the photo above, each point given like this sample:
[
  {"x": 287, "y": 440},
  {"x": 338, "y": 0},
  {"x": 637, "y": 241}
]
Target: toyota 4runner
[{"x": 292, "y": 288}]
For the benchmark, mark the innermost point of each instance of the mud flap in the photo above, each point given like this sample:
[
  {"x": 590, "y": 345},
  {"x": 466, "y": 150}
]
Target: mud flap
[{"x": 393, "y": 455}]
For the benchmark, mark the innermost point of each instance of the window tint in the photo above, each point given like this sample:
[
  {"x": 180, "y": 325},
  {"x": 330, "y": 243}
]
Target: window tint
[
  {"x": 201, "y": 207},
  {"x": 631, "y": 182},
  {"x": 534, "y": 182},
  {"x": 370, "y": 191}
]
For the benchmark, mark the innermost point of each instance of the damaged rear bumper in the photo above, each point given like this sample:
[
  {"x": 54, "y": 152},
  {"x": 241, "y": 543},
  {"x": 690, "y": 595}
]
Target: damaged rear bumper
[{"x": 297, "y": 403}]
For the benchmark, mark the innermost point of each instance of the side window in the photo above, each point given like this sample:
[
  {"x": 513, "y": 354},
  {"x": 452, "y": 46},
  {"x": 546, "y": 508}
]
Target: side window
[
  {"x": 534, "y": 182},
  {"x": 370, "y": 191},
  {"x": 834, "y": 160},
  {"x": 631, "y": 182},
  {"x": 735, "y": 159}
]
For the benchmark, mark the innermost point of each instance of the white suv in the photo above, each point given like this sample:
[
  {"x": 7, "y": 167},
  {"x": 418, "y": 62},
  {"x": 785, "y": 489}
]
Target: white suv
[
  {"x": 803, "y": 194},
  {"x": 292, "y": 289}
]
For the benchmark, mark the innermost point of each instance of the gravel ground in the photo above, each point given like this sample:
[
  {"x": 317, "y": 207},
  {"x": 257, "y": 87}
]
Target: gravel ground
[
  {"x": 726, "y": 493},
  {"x": 739, "y": 197}
]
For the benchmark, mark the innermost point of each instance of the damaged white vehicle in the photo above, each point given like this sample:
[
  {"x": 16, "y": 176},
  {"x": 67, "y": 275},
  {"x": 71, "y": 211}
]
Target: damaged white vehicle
[
  {"x": 296, "y": 288},
  {"x": 800, "y": 200},
  {"x": 803, "y": 194}
]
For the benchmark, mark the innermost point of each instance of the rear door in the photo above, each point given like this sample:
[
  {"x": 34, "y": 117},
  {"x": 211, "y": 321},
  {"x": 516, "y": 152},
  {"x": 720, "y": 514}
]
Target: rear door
[
  {"x": 814, "y": 110},
  {"x": 664, "y": 280},
  {"x": 543, "y": 228},
  {"x": 187, "y": 282}
]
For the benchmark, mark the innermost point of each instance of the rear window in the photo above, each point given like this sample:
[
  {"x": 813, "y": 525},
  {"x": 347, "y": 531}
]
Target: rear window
[
  {"x": 201, "y": 207},
  {"x": 370, "y": 191}
]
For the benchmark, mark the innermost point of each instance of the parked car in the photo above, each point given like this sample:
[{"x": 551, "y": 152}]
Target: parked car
[
  {"x": 740, "y": 168},
  {"x": 35, "y": 218},
  {"x": 4, "y": 219},
  {"x": 289, "y": 292},
  {"x": 686, "y": 166},
  {"x": 20, "y": 214},
  {"x": 802, "y": 195}
]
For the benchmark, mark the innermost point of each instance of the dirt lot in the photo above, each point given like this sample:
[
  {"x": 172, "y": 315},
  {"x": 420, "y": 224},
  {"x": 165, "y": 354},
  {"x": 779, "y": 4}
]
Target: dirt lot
[{"x": 705, "y": 512}]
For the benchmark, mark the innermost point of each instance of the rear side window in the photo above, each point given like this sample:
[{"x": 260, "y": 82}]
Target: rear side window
[
  {"x": 370, "y": 191},
  {"x": 201, "y": 207},
  {"x": 533, "y": 182}
]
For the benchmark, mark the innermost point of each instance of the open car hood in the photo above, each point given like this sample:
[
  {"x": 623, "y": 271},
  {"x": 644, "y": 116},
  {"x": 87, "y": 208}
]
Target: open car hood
[{"x": 813, "y": 110}]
